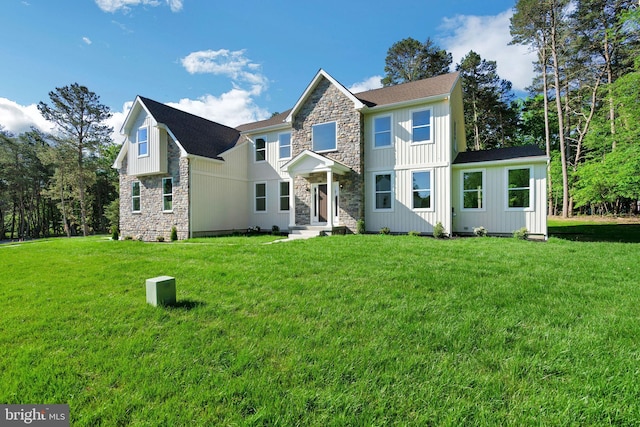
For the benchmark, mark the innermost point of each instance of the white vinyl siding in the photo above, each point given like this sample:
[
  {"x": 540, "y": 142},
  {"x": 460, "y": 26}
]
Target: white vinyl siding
[{"x": 155, "y": 161}]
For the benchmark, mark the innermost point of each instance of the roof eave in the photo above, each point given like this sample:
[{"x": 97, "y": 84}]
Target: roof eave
[{"x": 513, "y": 161}]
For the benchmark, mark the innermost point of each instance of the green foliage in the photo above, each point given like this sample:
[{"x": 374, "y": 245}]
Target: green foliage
[
  {"x": 360, "y": 227},
  {"x": 114, "y": 233},
  {"x": 414, "y": 233},
  {"x": 275, "y": 230},
  {"x": 385, "y": 230},
  {"x": 174, "y": 234},
  {"x": 521, "y": 233},
  {"x": 480, "y": 231},
  {"x": 409, "y": 60},
  {"x": 160, "y": 238},
  {"x": 439, "y": 232}
]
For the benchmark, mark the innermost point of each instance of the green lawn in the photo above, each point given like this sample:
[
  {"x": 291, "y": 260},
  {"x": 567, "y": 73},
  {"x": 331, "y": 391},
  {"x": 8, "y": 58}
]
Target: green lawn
[
  {"x": 590, "y": 230},
  {"x": 344, "y": 330}
]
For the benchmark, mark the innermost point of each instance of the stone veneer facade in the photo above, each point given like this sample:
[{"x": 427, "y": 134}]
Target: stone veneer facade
[
  {"x": 327, "y": 103},
  {"x": 151, "y": 222}
]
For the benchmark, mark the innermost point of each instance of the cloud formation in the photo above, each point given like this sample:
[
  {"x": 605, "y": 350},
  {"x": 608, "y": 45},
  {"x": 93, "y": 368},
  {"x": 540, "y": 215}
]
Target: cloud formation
[
  {"x": 372, "y": 82},
  {"x": 87, "y": 40},
  {"x": 18, "y": 119},
  {"x": 125, "y": 5},
  {"x": 489, "y": 37}
]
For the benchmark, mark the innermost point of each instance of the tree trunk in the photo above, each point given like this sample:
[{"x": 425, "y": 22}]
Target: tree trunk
[{"x": 81, "y": 193}]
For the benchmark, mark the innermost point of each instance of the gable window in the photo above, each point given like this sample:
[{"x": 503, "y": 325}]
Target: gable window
[
  {"x": 284, "y": 145},
  {"x": 421, "y": 126},
  {"x": 519, "y": 188},
  {"x": 284, "y": 195},
  {"x": 142, "y": 139},
  {"x": 421, "y": 185},
  {"x": 261, "y": 149},
  {"x": 382, "y": 131},
  {"x": 324, "y": 137},
  {"x": 167, "y": 194},
  {"x": 261, "y": 197},
  {"x": 135, "y": 196},
  {"x": 383, "y": 191},
  {"x": 473, "y": 190}
]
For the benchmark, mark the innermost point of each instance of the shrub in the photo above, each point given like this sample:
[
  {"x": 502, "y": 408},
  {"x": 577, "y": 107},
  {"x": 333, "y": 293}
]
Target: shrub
[
  {"x": 174, "y": 233},
  {"x": 521, "y": 233},
  {"x": 275, "y": 230},
  {"x": 160, "y": 238},
  {"x": 360, "y": 228},
  {"x": 128, "y": 237},
  {"x": 414, "y": 233},
  {"x": 114, "y": 233},
  {"x": 385, "y": 230},
  {"x": 480, "y": 231},
  {"x": 140, "y": 238},
  {"x": 439, "y": 231}
]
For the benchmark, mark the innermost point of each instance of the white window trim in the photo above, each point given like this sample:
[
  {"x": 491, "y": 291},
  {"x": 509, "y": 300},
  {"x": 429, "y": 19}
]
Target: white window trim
[
  {"x": 279, "y": 146},
  {"x": 336, "y": 140},
  {"x": 530, "y": 208},
  {"x": 417, "y": 110},
  {"x": 146, "y": 142},
  {"x": 280, "y": 196},
  {"x": 255, "y": 149},
  {"x": 373, "y": 132},
  {"x": 165, "y": 195},
  {"x": 255, "y": 197},
  {"x": 139, "y": 196},
  {"x": 431, "y": 190},
  {"x": 375, "y": 192},
  {"x": 484, "y": 191}
]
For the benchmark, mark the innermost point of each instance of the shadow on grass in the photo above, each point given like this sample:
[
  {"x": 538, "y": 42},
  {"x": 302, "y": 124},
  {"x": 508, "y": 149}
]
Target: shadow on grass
[
  {"x": 624, "y": 233},
  {"x": 185, "y": 305}
]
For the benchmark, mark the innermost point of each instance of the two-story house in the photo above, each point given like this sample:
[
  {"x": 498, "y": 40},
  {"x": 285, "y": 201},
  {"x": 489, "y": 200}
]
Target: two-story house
[{"x": 393, "y": 157}]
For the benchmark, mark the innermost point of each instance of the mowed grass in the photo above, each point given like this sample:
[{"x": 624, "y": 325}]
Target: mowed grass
[
  {"x": 345, "y": 330},
  {"x": 596, "y": 229}
]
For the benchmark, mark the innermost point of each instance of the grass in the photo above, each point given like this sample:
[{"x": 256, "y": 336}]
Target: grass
[
  {"x": 596, "y": 229},
  {"x": 343, "y": 330}
]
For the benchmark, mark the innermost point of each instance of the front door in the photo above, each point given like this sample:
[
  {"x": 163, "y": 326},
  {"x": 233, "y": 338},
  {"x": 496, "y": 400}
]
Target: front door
[{"x": 321, "y": 203}]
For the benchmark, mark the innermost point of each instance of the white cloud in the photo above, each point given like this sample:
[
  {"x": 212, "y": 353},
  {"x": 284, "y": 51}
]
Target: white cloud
[
  {"x": 125, "y": 5},
  {"x": 87, "y": 40},
  {"x": 489, "y": 36},
  {"x": 117, "y": 120},
  {"x": 372, "y": 82},
  {"x": 17, "y": 118}
]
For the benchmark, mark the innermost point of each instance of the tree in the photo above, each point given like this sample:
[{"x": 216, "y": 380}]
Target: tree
[
  {"x": 409, "y": 60},
  {"x": 490, "y": 116},
  {"x": 79, "y": 117}
]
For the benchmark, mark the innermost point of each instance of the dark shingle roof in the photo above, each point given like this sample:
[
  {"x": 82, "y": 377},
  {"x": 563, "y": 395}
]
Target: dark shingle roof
[
  {"x": 277, "y": 119},
  {"x": 498, "y": 154},
  {"x": 197, "y": 135},
  {"x": 433, "y": 86}
]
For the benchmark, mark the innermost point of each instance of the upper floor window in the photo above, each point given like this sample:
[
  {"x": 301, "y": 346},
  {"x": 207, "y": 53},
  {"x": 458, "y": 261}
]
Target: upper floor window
[
  {"x": 421, "y": 126},
  {"x": 382, "y": 131},
  {"x": 519, "y": 188},
  {"x": 261, "y": 149},
  {"x": 142, "y": 138},
  {"x": 284, "y": 145},
  {"x": 135, "y": 196},
  {"x": 324, "y": 137},
  {"x": 261, "y": 197},
  {"x": 284, "y": 195},
  {"x": 383, "y": 191},
  {"x": 167, "y": 194},
  {"x": 421, "y": 185},
  {"x": 473, "y": 190}
]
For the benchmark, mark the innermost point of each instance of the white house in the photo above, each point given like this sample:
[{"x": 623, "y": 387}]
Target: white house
[{"x": 393, "y": 157}]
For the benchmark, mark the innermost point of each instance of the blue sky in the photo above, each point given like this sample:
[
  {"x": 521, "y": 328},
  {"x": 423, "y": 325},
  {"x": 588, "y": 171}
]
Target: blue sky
[{"x": 229, "y": 61}]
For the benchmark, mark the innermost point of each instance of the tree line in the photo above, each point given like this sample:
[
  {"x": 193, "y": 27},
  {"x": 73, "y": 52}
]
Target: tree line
[{"x": 583, "y": 106}]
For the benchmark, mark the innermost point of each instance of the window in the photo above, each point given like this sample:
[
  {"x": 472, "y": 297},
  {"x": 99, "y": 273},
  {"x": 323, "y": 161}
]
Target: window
[
  {"x": 143, "y": 142},
  {"x": 167, "y": 194},
  {"x": 382, "y": 131},
  {"x": 324, "y": 137},
  {"x": 518, "y": 188},
  {"x": 261, "y": 197},
  {"x": 421, "y": 185},
  {"x": 384, "y": 193},
  {"x": 421, "y": 126},
  {"x": 473, "y": 190},
  {"x": 284, "y": 195},
  {"x": 261, "y": 149},
  {"x": 284, "y": 144},
  {"x": 135, "y": 196}
]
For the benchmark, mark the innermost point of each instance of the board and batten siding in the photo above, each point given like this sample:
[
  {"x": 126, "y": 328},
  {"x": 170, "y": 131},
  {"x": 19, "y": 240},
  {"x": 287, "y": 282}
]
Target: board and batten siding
[
  {"x": 219, "y": 193},
  {"x": 402, "y": 158},
  {"x": 156, "y": 161},
  {"x": 495, "y": 216}
]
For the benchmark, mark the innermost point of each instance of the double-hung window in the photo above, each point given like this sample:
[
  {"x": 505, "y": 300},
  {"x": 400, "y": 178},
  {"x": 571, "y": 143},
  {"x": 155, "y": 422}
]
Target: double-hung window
[
  {"x": 135, "y": 196},
  {"x": 473, "y": 190},
  {"x": 383, "y": 191},
  {"x": 261, "y": 197},
  {"x": 324, "y": 137},
  {"x": 284, "y": 145},
  {"x": 261, "y": 149},
  {"x": 382, "y": 132},
  {"x": 284, "y": 195},
  {"x": 167, "y": 194},
  {"x": 142, "y": 138},
  {"x": 421, "y": 126},
  {"x": 421, "y": 185},
  {"x": 519, "y": 188}
]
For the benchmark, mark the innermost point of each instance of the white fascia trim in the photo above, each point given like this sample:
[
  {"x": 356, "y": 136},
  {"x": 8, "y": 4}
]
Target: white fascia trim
[
  {"x": 404, "y": 104},
  {"x": 516, "y": 161},
  {"x": 183, "y": 152},
  {"x": 279, "y": 126}
]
